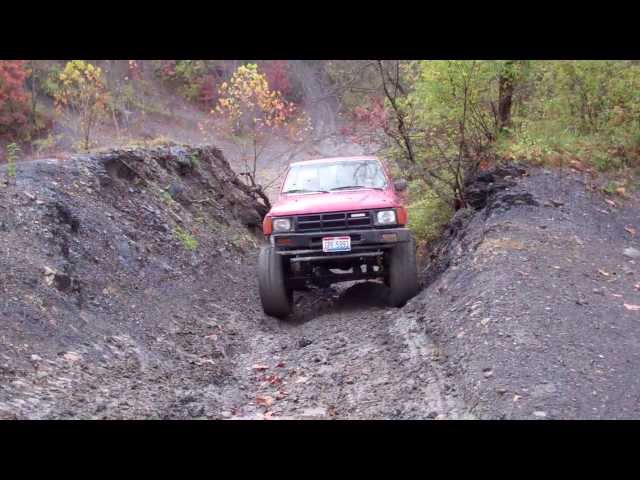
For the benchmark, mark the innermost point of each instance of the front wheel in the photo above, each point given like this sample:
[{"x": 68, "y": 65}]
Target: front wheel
[
  {"x": 403, "y": 273},
  {"x": 276, "y": 296}
]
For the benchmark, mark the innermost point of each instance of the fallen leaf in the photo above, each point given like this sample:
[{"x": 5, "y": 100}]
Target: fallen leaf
[
  {"x": 633, "y": 308},
  {"x": 265, "y": 400},
  {"x": 71, "y": 356},
  {"x": 576, "y": 165},
  {"x": 610, "y": 202},
  {"x": 49, "y": 275},
  {"x": 621, "y": 191},
  {"x": 637, "y": 286},
  {"x": 631, "y": 230},
  {"x": 260, "y": 367},
  {"x": 602, "y": 272}
]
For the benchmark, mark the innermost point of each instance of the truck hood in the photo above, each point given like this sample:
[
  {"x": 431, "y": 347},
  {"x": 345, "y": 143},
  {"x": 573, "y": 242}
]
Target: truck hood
[{"x": 300, "y": 204}]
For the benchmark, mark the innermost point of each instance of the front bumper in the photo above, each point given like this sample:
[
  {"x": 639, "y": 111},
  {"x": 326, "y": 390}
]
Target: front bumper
[{"x": 366, "y": 241}]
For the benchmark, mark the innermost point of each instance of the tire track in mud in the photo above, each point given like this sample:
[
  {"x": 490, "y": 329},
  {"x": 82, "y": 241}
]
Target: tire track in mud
[{"x": 344, "y": 355}]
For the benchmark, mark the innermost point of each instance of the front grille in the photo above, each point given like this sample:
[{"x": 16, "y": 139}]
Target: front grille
[{"x": 333, "y": 221}]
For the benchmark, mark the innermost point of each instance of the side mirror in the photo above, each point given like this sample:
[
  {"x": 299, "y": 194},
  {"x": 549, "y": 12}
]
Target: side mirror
[{"x": 400, "y": 185}]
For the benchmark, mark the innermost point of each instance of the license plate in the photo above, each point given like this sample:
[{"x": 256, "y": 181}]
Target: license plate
[{"x": 336, "y": 244}]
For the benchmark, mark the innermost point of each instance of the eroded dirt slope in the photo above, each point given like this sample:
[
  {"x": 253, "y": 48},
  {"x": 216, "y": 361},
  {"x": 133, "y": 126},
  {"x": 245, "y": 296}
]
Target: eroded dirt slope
[
  {"x": 530, "y": 314},
  {"x": 105, "y": 310},
  {"x": 109, "y": 311}
]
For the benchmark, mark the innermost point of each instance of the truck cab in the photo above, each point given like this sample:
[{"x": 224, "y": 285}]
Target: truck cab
[{"x": 335, "y": 220}]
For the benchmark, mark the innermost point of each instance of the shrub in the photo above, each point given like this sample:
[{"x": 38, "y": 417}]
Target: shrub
[
  {"x": 12, "y": 153},
  {"x": 14, "y": 106},
  {"x": 48, "y": 81},
  {"x": 428, "y": 213},
  {"x": 193, "y": 80},
  {"x": 187, "y": 240},
  {"x": 82, "y": 90}
]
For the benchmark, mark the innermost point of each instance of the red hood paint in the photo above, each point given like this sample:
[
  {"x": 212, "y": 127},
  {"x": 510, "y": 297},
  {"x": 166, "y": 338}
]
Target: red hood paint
[{"x": 309, "y": 203}]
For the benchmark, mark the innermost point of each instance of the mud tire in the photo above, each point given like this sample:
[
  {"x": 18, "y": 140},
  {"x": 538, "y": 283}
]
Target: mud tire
[
  {"x": 403, "y": 273},
  {"x": 276, "y": 297}
]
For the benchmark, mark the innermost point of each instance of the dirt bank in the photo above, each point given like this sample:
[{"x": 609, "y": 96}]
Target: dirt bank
[
  {"x": 529, "y": 312},
  {"x": 121, "y": 275},
  {"x": 129, "y": 291}
]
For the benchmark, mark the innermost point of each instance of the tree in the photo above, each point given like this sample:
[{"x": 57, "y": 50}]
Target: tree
[
  {"x": 277, "y": 73},
  {"x": 82, "y": 90},
  {"x": 510, "y": 74},
  {"x": 253, "y": 116},
  {"x": 437, "y": 122},
  {"x": 14, "y": 104}
]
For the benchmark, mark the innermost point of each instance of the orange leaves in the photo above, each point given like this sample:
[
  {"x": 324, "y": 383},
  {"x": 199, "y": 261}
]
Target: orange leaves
[
  {"x": 264, "y": 400},
  {"x": 247, "y": 102},
  {"x": 82, "y": 89},
  {"x": 13, "y": 98}
]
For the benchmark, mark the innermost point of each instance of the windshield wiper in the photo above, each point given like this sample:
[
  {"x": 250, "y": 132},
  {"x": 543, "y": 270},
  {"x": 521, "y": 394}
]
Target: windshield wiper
[
  {"x": 354, "y": 186},
  {"x": 303, "y": 190}
]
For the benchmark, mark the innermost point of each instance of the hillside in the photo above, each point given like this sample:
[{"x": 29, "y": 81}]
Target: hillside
[
  {"x": 132, "y": 194},
  {"x": 535, "y": 311},
  {"x": 121, "y": 272},
  {"x": 129, "y": 291}
]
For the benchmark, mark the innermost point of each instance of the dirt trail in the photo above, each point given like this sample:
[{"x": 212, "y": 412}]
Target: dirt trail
[
  {"x": 107, "y": 314},
  {"x": 344, "y": 355},
  {"x": 107, "y": 311}
]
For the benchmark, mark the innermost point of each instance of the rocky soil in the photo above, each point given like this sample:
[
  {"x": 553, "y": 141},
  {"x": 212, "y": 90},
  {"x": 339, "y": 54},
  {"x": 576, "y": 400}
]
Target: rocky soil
[
  {"x": 108, "y": 313},
  {"x": 533, "y": 298},
  {"x": 109, "y": 308},
  {"x": 128, "y": 290}
]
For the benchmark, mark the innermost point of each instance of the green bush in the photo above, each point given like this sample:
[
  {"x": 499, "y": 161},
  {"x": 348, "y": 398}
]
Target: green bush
[
  {"x": 49, "y": 83},
  {"x": 188, "y": 241},
  {"x": 428, "y": 213}
]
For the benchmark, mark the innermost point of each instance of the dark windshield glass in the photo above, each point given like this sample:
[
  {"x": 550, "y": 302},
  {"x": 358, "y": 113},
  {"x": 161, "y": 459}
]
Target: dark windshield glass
[{"x": 313, "y": 177}]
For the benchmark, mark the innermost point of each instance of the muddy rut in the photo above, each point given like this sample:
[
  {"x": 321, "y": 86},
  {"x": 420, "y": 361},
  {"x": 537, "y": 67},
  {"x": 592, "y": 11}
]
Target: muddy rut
[
  {"x": 128, "y": 290},
  {"x": 343, "y": 355}
]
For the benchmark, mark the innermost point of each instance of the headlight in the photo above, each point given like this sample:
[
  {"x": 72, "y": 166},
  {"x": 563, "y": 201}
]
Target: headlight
[
  {"x": 281, "y": 224},
  {"x": 386, "y": 217}
]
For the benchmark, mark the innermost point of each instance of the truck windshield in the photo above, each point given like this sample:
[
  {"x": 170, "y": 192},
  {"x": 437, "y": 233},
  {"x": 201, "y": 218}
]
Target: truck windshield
[{"x": 337, "y": 175}]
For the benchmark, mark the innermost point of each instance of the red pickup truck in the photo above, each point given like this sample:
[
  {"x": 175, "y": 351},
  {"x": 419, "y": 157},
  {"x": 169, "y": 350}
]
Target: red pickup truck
[{"x": 335, "y": 220}]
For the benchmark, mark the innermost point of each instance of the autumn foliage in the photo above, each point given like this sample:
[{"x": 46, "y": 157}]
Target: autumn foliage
[
  {"x": 250, "y": 105},
  {"x": 83, "y": 91},
  {"x": 13, "y": 97},
  {"x": 277, "y": 73},
  {"x": 252, "y": 115}
]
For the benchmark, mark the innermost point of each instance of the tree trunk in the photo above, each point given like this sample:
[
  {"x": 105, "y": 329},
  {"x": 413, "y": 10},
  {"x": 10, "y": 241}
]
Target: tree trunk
[
  {"x": 34, "y": 79},
  {"x": 115, "y": 123},
  {"x": 506, "y": 84},
  {"x": 505, "y": 96}
]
